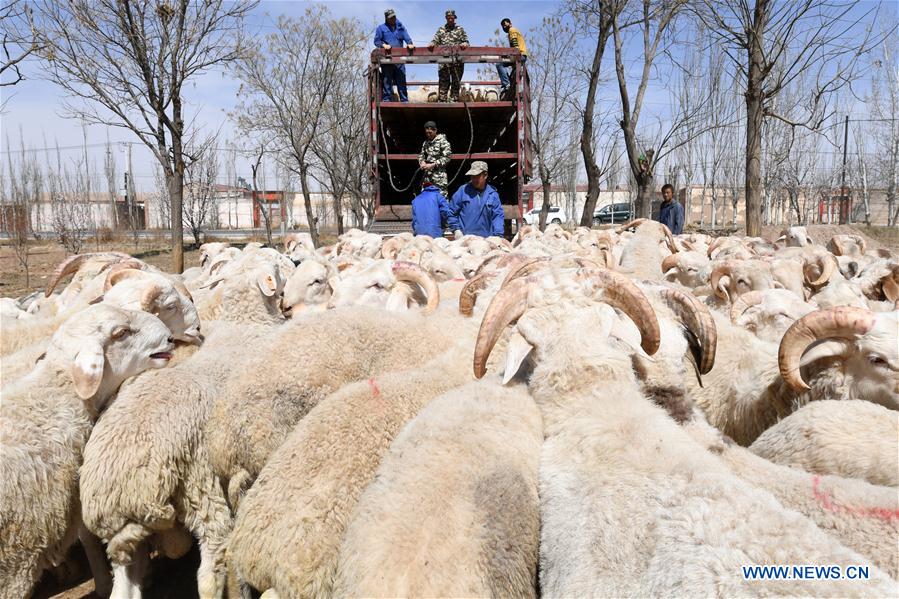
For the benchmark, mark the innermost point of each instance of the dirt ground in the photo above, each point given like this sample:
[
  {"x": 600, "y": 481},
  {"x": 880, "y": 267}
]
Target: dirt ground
[{"x": 44, "y": 257}]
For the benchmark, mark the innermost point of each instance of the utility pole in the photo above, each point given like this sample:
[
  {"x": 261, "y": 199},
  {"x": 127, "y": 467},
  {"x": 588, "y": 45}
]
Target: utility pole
[{"x": 844, "y": 193}]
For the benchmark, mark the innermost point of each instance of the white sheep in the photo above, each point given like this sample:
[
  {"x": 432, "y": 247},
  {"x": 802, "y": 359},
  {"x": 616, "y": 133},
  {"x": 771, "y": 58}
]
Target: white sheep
[
  {"x": 453, "y": 510},
  {"x": 162, "y": 475},
  {"x": 290, "y": 523},
  {"x": 47, "y": 417},
  {"x": 862, "y": 516},
  {"x": 850, "y": 438},
  {"x": 624, "y": 489},
  {"x": 310, "y": 357}
]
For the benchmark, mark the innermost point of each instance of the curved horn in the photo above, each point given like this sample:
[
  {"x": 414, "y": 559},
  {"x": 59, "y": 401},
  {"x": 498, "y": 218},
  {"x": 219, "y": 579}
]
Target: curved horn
[
  {"x": 828, "y": 266},
  {"x": 507, "y": 307},
  {"x": 149, "y": 296},
  {"x": 117, "y": 275},
  {"x": 744, "y": 302},
  {"x": 841, "y": 322},
  {"x": 390, "y": 248},
  {"x": 862, "y": 244},
  {"x": 68, "y": 266},
  {"x": 413, "y": 273},
  {"x": 633, "y": 224},
  {"x": 837, "y": 244},
  {"x": 620, "y": 292},
  {"x": 524, "y": 269},
  {"x": 182, "y": 289},
  {"x": 669, "y": 238},
  {"x": 468, "y": 297},
  {"x": 721, "y": 271},
  {"x": 714, "y": 246},
  {"x": 487, "y": 262},
  {"x": 697, "y": 318},
  {"x": 670, "y": 262}
]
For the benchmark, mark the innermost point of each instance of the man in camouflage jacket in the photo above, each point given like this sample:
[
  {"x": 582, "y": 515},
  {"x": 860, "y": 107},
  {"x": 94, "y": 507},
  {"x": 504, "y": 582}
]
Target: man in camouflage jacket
[
  {"x": 449, "y": 75},
  {"x": 435, "y": 156}
]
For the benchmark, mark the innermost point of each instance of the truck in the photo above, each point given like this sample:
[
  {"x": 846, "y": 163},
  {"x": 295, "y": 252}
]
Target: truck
[{"x": 480, "y": 126}]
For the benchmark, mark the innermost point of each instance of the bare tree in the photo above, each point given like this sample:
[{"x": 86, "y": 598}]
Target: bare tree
[
  {"x": 69, "y": 191},
  {"x": 18, "y": 41},
  {"x": 342, "y": 149},
  {"x": 594, "y": 18},
  {"x": 653, "y": 20},
  {"x": 24, "y": 187},
  {"x": 859, "y": 174},
  {"x": 128, "y": 63},
  {"x": 288, "y": 82},
  {"x": 199, "y": 186},
  {"x": 261, "y": 206},
  {"x": 552, "y": 114},
  {"x": 109, "y": 169},
  {"x": 884, "y": 103},
  {"x": 771, "y": 42}
]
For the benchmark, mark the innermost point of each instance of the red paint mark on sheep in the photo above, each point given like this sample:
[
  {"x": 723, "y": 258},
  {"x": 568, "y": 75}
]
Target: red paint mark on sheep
[
  {"x": 823, "y": 498},
  {"x": 373, "y": 385}
]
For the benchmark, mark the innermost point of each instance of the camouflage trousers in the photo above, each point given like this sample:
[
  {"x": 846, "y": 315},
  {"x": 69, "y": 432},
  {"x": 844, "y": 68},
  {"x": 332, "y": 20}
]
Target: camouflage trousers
[
  {"x": 449, "y": 77},
  {"x": 438, "y": 177}
]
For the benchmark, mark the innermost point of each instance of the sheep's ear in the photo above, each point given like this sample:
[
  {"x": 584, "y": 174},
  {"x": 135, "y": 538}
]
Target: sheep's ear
[
  {"x": 517, "y": 351},
  {"x": 149, "y": 296},
  {"x": 891, "y": 289},
  {"x": 831, "y": 348},
  {"x": 267, "y": 285},
  {"x": 87, "y": 369},
  {"x": 398, "y": 300}
]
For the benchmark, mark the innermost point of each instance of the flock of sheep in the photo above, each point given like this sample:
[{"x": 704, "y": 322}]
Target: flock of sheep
[{"x": 588, "y": 413}]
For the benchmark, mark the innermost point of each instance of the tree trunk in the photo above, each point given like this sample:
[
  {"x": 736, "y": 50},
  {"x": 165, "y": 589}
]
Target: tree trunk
[
  {"x": 644, "y": 196},
  {"x": 544, "y": 209},
  {"x": 338, "y": 214},
  {"x": 307, "y": 203},
  {"x": 755, "y": 114},
  {"x": 176, "y": 190},
  {"x": 593, "y": 171}
]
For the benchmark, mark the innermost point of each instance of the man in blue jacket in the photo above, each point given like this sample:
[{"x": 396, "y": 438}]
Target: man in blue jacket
[
  {"x": 671, "y": 213},
  {"x": 392, "y": 34},
  {"x": 476, "y": 206},
  {"x": 430, "y": 212}
]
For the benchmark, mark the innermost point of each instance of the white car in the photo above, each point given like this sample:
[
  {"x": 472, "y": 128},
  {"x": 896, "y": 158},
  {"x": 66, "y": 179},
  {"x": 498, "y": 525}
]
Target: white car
[{"x": 556, "y": 215}]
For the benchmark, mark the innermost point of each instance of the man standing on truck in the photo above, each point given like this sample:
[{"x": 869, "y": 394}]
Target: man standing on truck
[
  {"x": 476, "y": 207},
  {"x": 435, "y": 156},
  {"x": 671, "y": 213},
  {"x": 506, "y": 72},
  {"x": 388, "y": 35},
  {"x": 449, "y": 75},
  {"x": 430, "y": 212}
]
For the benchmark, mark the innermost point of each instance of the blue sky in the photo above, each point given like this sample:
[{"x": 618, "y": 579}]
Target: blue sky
[{"x": 34, "y": 106}]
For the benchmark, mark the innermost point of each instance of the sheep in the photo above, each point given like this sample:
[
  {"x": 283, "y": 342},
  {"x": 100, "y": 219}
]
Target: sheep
[
  {"x": 795, "y": 237},
  {"x": 850, "y": 438},
  {"x": 309, "y": 287},
  {"x": 306, "y": 360},
  {"x": 690, "y": 269},
  {"x": 162, "y": 473},
  {"x": 290, "y": 522},
  {"x": 453, "y": 509},
  {"x": 230, "y": 298},
  {"x": 47, "y": 417},
  {"x": 610, "y": 456},
  {"x": 754, "y": 383},
  {"x": 640, "y": 255},
  {"x": 768, "y": 313},
  {"x": 127, "y": 288},
  {"x": 384, "y": 283},
  {"x": 211, "y": 250},
  {"x": 862, "y": 516}
]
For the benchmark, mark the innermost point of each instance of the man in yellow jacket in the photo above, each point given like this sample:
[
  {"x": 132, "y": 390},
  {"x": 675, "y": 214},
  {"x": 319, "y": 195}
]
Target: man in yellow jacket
[{"x": 506, "y": 72}]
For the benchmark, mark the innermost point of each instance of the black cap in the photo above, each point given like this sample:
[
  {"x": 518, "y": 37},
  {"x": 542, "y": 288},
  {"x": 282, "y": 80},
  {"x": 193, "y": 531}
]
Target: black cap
[{"x": 430, "y": 125}]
